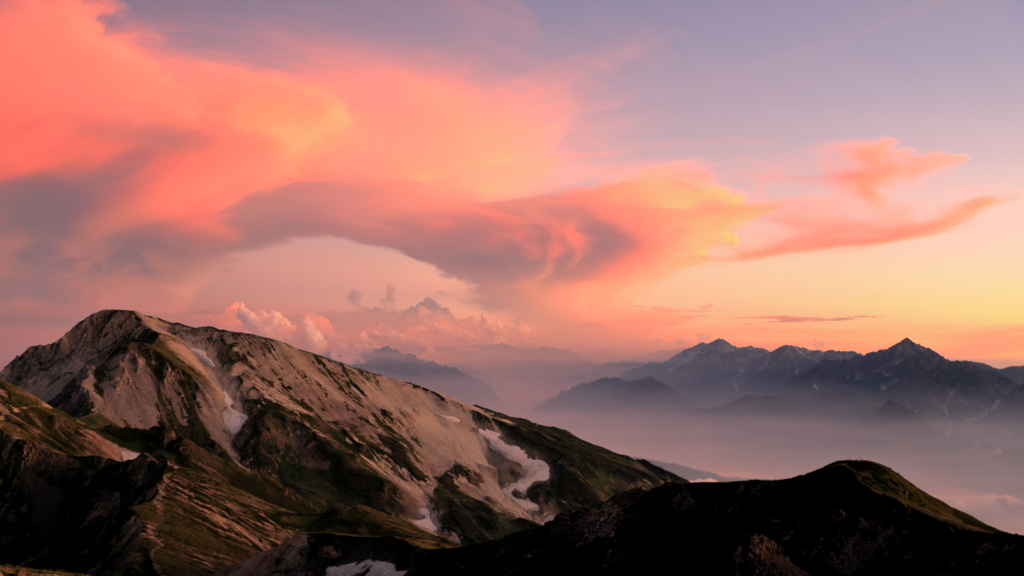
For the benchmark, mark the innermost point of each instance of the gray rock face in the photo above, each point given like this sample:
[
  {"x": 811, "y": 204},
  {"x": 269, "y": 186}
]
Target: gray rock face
[{"x": 305, "y": 437}]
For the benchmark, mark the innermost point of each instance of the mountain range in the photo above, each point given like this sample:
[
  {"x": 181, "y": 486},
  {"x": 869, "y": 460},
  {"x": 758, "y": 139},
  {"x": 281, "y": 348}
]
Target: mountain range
[
  {"x": 447, "y": 380},
  {"x": 138, "y": 446},
  {"x": 752, "y": 380}
]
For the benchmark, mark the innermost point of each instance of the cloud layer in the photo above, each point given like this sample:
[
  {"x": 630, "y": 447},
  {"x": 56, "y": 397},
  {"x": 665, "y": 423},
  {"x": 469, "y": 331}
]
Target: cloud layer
[{"x": 129, "y": 170}]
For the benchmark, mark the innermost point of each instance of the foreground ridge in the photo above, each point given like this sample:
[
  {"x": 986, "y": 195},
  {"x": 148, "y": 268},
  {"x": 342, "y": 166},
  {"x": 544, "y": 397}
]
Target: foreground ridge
[{"x": 849, "y": 518}]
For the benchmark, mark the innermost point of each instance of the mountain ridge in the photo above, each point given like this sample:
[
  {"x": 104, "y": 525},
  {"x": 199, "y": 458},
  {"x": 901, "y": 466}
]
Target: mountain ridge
[{"x": 304, "y": 441}]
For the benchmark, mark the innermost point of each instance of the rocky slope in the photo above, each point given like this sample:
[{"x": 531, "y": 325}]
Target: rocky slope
[
  {"x": 849, "y": 518},
  {"x": 250, "y": 440}
]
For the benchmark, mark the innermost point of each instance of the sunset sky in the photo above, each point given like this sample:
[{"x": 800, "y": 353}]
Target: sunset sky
[{"x": 613, "y": 178}]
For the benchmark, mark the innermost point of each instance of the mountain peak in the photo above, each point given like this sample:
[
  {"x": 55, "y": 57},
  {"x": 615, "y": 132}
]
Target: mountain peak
[
  {"x": 908, "y": 347},
  {"x": 718, "y": 346}
]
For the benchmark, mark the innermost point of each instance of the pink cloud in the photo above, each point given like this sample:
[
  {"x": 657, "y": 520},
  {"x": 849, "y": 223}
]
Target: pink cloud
[
  {"x": 820, "y": 222},
  {"x": 308, "y": 333},
  {"x": 799, "y": 319},
  {"x": 348, "y": 335},
  {"x": 129, "y": 170},
  {"x": 862, "y": 168}
]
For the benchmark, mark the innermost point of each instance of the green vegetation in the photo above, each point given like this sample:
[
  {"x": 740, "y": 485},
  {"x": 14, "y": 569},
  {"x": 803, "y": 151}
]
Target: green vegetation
[
  {"x": 886, "y": 481},
  {"x": 473, "y": 519},
  {"x": 582, "y": 475},
  {"x": 312, "y": 458},
  {"x": 184, "y": 382},
  {"x": 360, "y": 520},
  {"x": 228, "y": 353},
  {"x": 204, "y": 526},
  {"x": 8, "y": 569},
  {"x": 36, "y": 422}
]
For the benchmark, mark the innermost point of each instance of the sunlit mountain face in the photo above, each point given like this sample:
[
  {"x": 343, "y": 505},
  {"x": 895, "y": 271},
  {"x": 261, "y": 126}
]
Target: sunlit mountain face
[{"x": 467, "y": 276}]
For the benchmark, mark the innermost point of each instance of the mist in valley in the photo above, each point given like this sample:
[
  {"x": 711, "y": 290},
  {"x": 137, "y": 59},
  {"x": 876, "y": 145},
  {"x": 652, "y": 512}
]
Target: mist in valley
[{"x": 963, "y": 469}]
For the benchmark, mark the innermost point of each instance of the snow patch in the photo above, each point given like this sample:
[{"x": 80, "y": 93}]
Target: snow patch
[
  {"x": 448, "y": 417},
  {"x": 127, "y": 455},
  {"x": 533, "y": 470},
  {"x": 233, "y": 419},
  {"x": 365, "y": 568},
  {"x": 203, "y": 357},
  {"x": 426, "y": 522}
]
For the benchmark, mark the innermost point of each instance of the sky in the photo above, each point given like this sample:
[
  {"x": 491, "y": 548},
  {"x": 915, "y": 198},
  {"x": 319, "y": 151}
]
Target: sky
[{"x": 613, "y": 178}]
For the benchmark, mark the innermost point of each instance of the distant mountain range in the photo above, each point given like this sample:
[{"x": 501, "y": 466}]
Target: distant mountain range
[
  {"x": 447, "y": 380},
  {"x": 613, "y": 394},
  {"x": 788, "y": 380}
]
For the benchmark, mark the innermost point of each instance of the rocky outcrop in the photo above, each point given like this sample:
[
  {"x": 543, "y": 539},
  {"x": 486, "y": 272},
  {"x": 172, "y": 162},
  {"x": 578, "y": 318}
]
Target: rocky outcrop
[{"x": 72, "y": 512}]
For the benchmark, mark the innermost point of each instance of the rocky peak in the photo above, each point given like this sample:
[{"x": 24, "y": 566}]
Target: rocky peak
[
  {"x": 907, "y": 348},
  {"x": 718, "y": 347},
  {"x": 358, "y": 438}
]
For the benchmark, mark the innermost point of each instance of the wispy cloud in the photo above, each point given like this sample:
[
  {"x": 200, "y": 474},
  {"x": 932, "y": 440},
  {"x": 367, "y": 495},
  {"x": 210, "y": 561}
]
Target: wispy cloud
[
  {"x": 797, "y": 319},
  {"x": 861, "y": 214}
]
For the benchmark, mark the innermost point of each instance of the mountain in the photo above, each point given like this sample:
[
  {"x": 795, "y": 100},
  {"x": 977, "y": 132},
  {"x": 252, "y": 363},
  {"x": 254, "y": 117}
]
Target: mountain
[
  {"x": 612, "y": 369},
  {"x": 782, "y": 365},
  {"x": 706, "y": 371},
  {"x": 614, "y": 394},
  {"x": 1015, "y": 373},
  {"x": 914, "y": 376},
  {"x": 235, "y": 442},
  {"x": 770, "y": 406},
  {"x": 447, "y": 380},
  {"x": 849, "y": 518},
  {"x": 895, "y": 418},
  {"x": 523, "y": 377},
  {"x": 693, "y": 474}
]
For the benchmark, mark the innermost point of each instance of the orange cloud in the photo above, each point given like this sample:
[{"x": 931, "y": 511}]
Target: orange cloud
[
  {"x": 582, "y": 243},
  {"x": 810, "y": 223},
  {"x": 120, "y": 155},
  {"x": 823, "y": 230},
  {"x": 129, "y": 166},
  {"x": 422, "y": 328}
]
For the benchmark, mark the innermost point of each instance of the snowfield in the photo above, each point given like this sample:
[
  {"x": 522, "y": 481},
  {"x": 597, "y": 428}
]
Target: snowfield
[
  {"x": 365, "y": 568},
  {"x": 233, "y": 419},
  {"x": 426, "y": 522},
  {"x": 533, "y": 470},
  {"x": 204, "y": 357}
]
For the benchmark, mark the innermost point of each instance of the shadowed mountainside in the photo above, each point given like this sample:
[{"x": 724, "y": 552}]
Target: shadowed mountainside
[{"x": 849, "y": 518}]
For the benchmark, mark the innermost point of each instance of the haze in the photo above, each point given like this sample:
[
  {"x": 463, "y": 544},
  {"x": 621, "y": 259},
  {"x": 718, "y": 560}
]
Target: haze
[{"x": 610, "y": 179}]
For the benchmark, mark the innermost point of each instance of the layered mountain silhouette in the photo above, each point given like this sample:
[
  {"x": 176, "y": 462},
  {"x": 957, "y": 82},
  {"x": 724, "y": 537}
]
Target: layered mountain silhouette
[
  {"x": 447, "y": 380},
  {"x": 914, "y": 376},
  {"x": 615, "y": 394},
  {"x": 849, "y": 518},
  {"x": 706, "y": 372},
  {"x": 722, "y": 379},
  {"x": 167, "y": 449}
]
